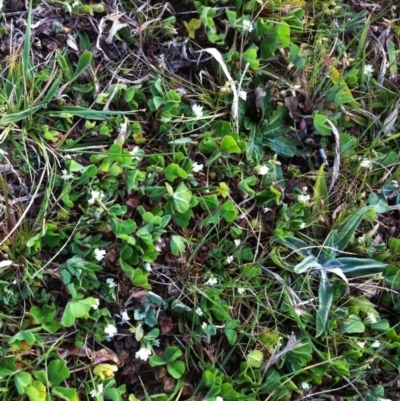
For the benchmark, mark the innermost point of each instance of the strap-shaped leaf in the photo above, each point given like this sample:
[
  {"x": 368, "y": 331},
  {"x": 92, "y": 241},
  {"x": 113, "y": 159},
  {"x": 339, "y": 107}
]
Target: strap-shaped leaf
[
  {"x": 325, "y": 297},
  {"x": 355, "y": 267},
  {"x": 295, "y": 244},
  {"x": 346, "y": 232}
]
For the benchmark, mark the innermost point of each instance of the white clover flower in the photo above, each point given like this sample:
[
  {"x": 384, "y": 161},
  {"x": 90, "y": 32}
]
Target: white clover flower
[
  {"x": 305, "y": 386},
  {"x": 266, "y": 210},
  {"x": 237, "y": 242},
  {"x": 99, "y": 254},
  {"x": 110, "y": 330},
  {"x": 95, "y": 195},
  {"x": 96, "y": 304},
  {"x": 247, "y": 26},
  {"x": 263, "y": 170},
  {"x": 366, "y": 163},
  {"x": 229, "y": 259},
  {"x": 157, "y": 248},
  {"x": 67, "y": 176},
  {"x": 197, "y": 110},
  {"x": 219, "y": 398},
  {"x": 368, "y": 70},
  {"x": 241, "y": 290},
  {"x": 204, "y": 326},
  {"x": 211, "y": 281},
  {"x": 111, "y": 283},
  {"x": 124, "y": 316},
  {"x": 97, "y": 392},
  {"x": 134, "y": 151},
  {"x": 361, "y": 344},
  {"x": 304, "y": 198},
  {"x": 376, "y": 344},
  {"x": 143, "y": 354},
  {"x": 197, "y": 167},
  {"x": 243, "y": 95},
  {"x": 199, "y": 312},
  {"x": 303, "y": 225},
  {"x": 147, "y": 267},
  {"x": 371, "y": 318},
  {"x": 361, "y": 239}
]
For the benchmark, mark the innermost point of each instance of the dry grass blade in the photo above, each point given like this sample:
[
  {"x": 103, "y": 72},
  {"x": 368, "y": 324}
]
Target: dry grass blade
[{"x": 336, "y": 160}]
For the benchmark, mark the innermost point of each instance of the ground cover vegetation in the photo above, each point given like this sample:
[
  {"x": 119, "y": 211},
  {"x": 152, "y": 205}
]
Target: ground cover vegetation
[{"x": 199, "y": 200}]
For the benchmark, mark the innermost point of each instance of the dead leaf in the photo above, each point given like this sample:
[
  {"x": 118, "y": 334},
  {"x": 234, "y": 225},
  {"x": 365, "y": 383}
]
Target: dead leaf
[{"x": 165, "y": 324}]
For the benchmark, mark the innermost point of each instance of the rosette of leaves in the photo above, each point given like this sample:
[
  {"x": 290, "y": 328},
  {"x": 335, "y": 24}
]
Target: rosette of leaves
[{"x": 327, "y": 260}]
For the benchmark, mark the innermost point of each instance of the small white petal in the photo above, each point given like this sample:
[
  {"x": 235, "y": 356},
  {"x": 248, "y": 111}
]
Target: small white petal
[
  {"x": 241, "y": 290},
  {"x": 263, "y": 170},
  {"x": 111, "y": 283},
  {"x": 197, "y": 110},
  {"x": 99, "y": 254},
  {"x": 143, "y": 354},
  {"x": 303, "y": 198},
  {"x": 211, "y": 281},
  {"x": 110, "y": 330},
  {"x": 229, "y": 259},
  {"x": 197, "y": 167},
  {"x": 96, "y": 305},
  {"x": 199, "y": 312},
  {"x": 124, "y": 316},
  {"x": 237, "y": 242}
]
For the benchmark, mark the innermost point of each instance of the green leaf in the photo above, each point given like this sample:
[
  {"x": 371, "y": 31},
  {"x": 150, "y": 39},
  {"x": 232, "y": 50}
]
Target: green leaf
[
  {"x": 58, "y": 371},
  {"x": 156, "y": 360},
  {"x": 67, "y": 394},
  {"x": 178, "y": 244},
  {"x": 209, "y": 202},
  {"x": 346, "y": 232},
  {"x": 325, "y": 297},
  {"x": 255, "y": 358},
  {"x": 182, "y": 197},
  {"x": 353, "y": 324},
  {"x": 172, "y": 353},
  {"x": 306, "y": 264},
  {"x": 7, "y": 366},
  {"x": 229, "y": 145},
  {"x": 355, "y": 267},
  {"x": 84, "y": 61},
  {"x": 320, "y": 203},
  {"x": 282, "y": 32},
  {"x": 75, "y": 309},
  {"x": 173, "y": 171},
  {"x": 176, "y": 369},
  {"x": 37, "y": 391},
  {"x": 22, "y": 380},
  {"x": 229, "y": 211}
]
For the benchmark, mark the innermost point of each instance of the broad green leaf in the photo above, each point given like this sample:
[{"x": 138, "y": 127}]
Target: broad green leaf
[
  {"x": 83, "y": 63},
  {"x": 156, "y": 360},
  {"x": 255, "y": 358},
  {"x": 178, "y": 244},
  {"x": 173, "y": 171},
  {"x": 58, "y": 371},
  {"x": 353, "y": 324},
  {"x": 22, "y": 380},
  {"x": 182, "y": 197},
  {"x": 209, "y": 202},
  {"x": 325, "y": 297},
  {"x": 229, "y": 211},
  {"x": 76, "y": 309},
  {"x": 67, "y": 394},
  {"x": 37, "y": 391},
  {"x": 282, "y": 32},
  {"x": 229, "y": 145},
  {"x": 172, "y": 353},
  {"x": 176, "y": 369},
  {"x": 7, "y": 366}
]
